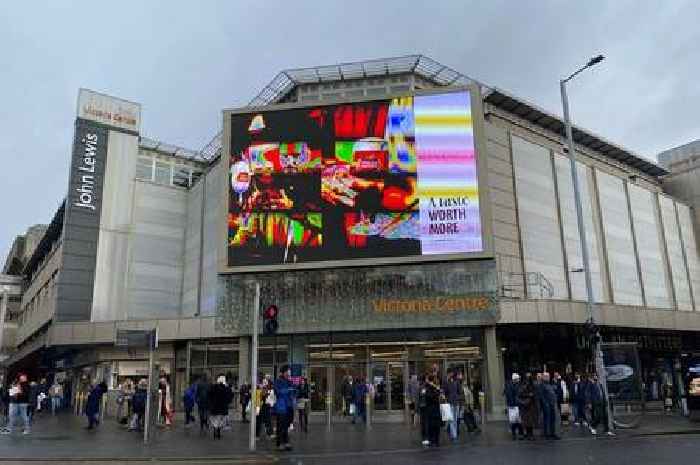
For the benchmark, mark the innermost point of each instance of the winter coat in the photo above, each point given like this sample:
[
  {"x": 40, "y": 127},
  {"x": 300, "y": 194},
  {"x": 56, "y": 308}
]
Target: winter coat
[
  {"x": 432, "y": 405},
  {"x": 528, "y": 405},
  {"x": 454, "y": 392},
  {"x": 92, "y": 406},
  {"x": 359, "y": 393},
  {"x": 138, "y": 401},
  {"x": 202, "y": 394},
  {"x": 220, "y": 397},
  {"x": 190, "y": 397},
  {"x": 595, "y": 393},
  {"x": 511, "y": 393},
  {"x": 284, "y": 396}
]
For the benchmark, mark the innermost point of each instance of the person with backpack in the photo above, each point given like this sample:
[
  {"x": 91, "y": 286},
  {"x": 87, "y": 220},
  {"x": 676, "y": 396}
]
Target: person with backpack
[
  {"x": 138, "y": 406},
  {"x": 188, "y": 401}
]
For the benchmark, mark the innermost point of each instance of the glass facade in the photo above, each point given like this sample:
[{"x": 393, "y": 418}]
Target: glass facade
[
  {"x": 675, "y": 254},
  {"x": 572, "y": 242},
  {"x": 685, "y": 221},
  {"x": 619, "y": 243},
  {"x": 649, "y": 246},
  {"x": 537, "y": 213}
]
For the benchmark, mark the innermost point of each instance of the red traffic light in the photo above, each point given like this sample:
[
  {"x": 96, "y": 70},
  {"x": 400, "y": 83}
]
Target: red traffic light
[{"x": 270, "y": 312}]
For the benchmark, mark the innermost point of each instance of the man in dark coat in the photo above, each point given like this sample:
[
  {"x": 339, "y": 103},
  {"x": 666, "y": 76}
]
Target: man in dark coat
[
  {"x": 92, "y": 406},
  {"x": 359, "y": 399},
  {"x": 578, "y": 398},
  {"x": 138, "y": 406},
  {"x": 244, "y": 394},
  {"x": 548, "y": 404},
  {"x": 511, "y": 393},
  {"x": 596, "y": 396},
  {"x": 220, "y": 397},
  {"x": 432, "y": 410},
  {"x": 202, "y": 399}
]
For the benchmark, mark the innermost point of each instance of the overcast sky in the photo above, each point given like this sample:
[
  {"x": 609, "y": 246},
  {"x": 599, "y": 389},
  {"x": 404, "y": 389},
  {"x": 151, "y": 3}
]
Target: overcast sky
[{"x": 185, "y": 61}]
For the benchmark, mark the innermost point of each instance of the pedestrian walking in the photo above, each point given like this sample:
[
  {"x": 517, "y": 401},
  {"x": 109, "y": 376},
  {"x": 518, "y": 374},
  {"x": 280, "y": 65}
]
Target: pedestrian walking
[
  {"x": 245, "y": 396},
  {"x": 599, "y": 408},
  {"x": 513, "y": 404},
  {"x": 433, "y": 398},
  {"x": 166, "y": 402},
  {"x": 347, "y": 390},
  {"x": 56, "y": 395},
  {"x": 303, "y": 405},
  {"x": 203, "y": 388},
  {"x": 455, "y": 397},
  {"x": 264, "y": 404},
  {"x": 284, "y": 407},
  {"x": 138, "y": 406},
  {"x": 220, "y": 397},
  {"x": 528, "y": 406},
  {"x": 358, "y": 401},
  {"x": 94, "y": 401},
  {"x": 124, "y": 400},
  {"x": 18, "y": 405},
  {"x": 548, "y": 406},
  {"x": 189, "y": 399},
  {"x": 33, "y": 400},
  {"x": 469, "y": 415},
  {"x": 412, "y": 391},
  {"x": 578, "y": 399}
]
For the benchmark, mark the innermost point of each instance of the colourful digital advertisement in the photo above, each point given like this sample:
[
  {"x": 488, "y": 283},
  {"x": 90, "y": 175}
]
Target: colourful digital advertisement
[{"x": 392, "y": 178}]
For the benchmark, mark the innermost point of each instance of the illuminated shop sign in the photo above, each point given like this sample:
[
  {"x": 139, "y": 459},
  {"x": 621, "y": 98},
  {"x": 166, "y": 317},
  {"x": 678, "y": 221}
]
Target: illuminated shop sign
[{"x": 369, "y": 180}]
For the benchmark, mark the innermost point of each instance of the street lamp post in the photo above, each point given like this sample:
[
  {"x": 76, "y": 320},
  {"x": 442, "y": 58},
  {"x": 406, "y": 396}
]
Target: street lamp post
[{"x": 590, "y": 305}]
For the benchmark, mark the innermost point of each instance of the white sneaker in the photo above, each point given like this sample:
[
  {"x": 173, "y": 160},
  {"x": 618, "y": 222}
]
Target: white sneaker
[
  {"x": 576, "y": 423},
  {"x": 585, "y": 423},
  {"x": 610, "y": 433},
  {"x": 25, "y": 432},
  {"x": 426, "y": 443},
  {"x": 593, "y": 432}
]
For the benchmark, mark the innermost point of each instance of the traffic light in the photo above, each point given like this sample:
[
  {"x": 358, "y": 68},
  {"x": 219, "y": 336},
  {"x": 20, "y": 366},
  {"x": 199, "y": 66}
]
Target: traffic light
[{"x": 270, "y": 324}]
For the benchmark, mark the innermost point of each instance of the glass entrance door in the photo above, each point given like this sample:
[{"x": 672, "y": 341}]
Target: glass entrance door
[
  {"x": 346, "y": 376},
  {"x": 318, "y": 388},
  {"x": 397, "y": 385}
]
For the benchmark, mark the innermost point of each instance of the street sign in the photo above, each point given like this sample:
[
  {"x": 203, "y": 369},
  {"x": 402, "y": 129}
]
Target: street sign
[{"x": 137, "y": 338}]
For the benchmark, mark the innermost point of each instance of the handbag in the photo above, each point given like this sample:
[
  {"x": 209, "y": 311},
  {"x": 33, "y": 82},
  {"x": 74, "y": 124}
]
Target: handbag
[
  {"x": 513, "y": 415},
  {"x": 446, "y": 412}
]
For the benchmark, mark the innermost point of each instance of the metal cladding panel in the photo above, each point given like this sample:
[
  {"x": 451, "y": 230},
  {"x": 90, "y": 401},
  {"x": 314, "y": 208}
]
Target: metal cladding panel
[{"x": 82, "y": 222}]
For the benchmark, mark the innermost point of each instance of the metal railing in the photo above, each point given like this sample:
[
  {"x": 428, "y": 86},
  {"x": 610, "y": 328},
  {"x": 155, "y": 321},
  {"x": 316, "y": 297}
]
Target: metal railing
[{"x": 533, "y": 285}]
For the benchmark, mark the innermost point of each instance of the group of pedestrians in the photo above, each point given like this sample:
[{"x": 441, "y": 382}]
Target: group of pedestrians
[
  {"x": 22, "y": 400},
  {"x": 436, "y": 402},
  {"x": 541, "y": 401}
]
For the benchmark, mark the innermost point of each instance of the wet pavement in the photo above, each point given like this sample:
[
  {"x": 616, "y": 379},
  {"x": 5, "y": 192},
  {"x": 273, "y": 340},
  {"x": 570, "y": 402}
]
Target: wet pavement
[{"x": 60, "y": 439}]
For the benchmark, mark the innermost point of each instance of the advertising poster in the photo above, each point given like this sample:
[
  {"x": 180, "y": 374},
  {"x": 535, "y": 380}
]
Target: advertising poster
[{"x": 391, "y": 178}]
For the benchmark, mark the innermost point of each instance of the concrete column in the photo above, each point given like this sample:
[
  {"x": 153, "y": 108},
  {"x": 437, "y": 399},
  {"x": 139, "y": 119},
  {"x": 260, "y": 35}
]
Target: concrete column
[
  {"x": 244, "y": 360},
  {"x": 3, "y": 313},
  {"x": 495, "y": 403}
]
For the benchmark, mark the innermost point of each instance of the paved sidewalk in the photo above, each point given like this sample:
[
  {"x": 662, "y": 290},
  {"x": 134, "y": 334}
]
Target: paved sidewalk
[{"x": 65, "y": 437}]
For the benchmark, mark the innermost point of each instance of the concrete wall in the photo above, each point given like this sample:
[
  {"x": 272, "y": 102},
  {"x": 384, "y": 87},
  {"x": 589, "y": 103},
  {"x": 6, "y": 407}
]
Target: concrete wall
[{"x": 216, "y": 179}]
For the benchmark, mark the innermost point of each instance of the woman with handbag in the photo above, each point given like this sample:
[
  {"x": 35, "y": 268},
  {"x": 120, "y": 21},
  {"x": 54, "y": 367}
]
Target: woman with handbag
[{"x": 433, "y": 398}]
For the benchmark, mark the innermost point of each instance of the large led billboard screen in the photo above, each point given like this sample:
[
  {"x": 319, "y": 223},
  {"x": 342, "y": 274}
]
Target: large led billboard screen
[{"x": 380, "y": 179}]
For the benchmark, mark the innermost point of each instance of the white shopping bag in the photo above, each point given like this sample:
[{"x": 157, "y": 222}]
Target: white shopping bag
[
  {"x": 513, "y": 415},
  {"x": 353, "y": 409},
  {"x": 446, "y": 412}
]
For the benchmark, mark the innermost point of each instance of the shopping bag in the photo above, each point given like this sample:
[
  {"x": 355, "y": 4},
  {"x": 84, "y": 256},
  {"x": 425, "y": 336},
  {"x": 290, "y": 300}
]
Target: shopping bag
[
  {"x": 565, "y": 409},
  {"x": 248, "y": 407},
  {"x": 353, "y": 409},
  {"x": 513, "y": 415},
  {"x": 446, "y": 412}
]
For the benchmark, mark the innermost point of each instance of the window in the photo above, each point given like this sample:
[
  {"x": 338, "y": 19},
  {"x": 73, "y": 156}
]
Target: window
[
  {"x": 181, "y": 176},
  {"x": 196, "y": 174},
  {"x": 647, "y": 230},
  {"x": 144, "y": 168},
  {"x": 617, "y": 228},
  {"x": 162, "y": 173},
  {"x": 675, "y": 254},
  {"x": 685, "y": 222},
  {"x": 569, "y": 222},
  {"x": 537, "y": 213}
]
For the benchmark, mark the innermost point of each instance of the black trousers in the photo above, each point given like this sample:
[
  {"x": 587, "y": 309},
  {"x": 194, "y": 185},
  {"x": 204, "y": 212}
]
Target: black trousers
[
  {"x": 189, "y": 418},
  {"x": 423, "y": 424},
  {"x": 516, "y": 428},
  {"x": 283, "y": 422},
  {"x": 304, "y": 420},
  {"x": 203, "y": 417},
  {"x": 600, "y": 415}
]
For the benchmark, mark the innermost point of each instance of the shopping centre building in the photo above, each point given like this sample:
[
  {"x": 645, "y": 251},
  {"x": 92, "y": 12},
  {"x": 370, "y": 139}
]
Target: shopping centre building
[{"x": 399, "y": 214}]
